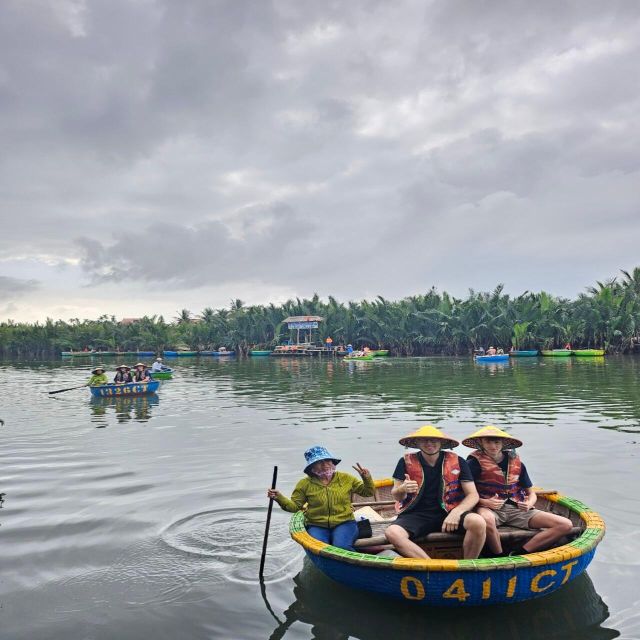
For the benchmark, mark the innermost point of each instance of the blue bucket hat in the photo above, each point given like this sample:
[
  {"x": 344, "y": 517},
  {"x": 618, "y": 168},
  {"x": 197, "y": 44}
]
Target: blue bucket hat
[{"x": 316, "y": 454}]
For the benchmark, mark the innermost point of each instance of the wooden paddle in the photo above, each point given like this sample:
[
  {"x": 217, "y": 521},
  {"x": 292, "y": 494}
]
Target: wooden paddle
[
  {"x": 67, "y": 389},
  {"x": 266, "y": 529}
]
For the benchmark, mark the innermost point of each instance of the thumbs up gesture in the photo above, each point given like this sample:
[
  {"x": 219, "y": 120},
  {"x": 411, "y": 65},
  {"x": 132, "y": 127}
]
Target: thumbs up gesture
[{"x": 409, "y": 485}]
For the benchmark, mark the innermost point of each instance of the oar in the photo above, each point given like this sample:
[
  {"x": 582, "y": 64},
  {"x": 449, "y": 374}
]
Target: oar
[
  {"x": 68, "y": 389},
  {"x": 266, "y": 529}
]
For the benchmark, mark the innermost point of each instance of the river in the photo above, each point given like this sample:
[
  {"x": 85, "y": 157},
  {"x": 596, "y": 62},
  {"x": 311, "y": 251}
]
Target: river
[{"x": 144, "y": 517}]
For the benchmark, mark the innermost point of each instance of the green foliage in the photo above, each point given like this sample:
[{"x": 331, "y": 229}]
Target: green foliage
[{"x": 606, "y": 315}]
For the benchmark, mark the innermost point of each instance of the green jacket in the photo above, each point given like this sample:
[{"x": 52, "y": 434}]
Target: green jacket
[
  {"x": 330, "y": 505},
  {"x": 98, "y": 379}
]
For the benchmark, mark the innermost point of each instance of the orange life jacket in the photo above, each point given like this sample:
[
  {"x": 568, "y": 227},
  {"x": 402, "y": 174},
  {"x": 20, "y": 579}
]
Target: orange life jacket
[
  {"x": 451, "y": 494},
  {"x": 494, "y": 481}
]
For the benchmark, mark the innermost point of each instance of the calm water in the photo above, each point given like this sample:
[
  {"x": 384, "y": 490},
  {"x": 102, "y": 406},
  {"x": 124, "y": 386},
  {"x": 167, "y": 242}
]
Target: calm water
[{"x": 143, "y": 518}]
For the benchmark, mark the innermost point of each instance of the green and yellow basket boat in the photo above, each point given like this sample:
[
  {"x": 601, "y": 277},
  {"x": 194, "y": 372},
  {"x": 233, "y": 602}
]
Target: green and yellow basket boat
[{"x": 447, "y": 580}]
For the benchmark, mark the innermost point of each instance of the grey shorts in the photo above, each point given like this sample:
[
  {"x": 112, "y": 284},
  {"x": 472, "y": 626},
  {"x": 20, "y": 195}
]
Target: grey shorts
[{"x": 509, "y": 514}]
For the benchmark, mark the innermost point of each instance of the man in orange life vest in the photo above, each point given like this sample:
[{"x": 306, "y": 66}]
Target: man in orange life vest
[
  {"x": 506, "y": 493},
  {"x": 434, "y": 491}
]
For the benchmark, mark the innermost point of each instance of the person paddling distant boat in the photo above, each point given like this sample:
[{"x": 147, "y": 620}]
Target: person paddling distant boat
[{"x": 98, "y": 377}]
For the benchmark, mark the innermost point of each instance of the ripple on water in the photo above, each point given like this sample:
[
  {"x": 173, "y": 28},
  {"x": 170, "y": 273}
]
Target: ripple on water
[{"x": 233, "y": 539}]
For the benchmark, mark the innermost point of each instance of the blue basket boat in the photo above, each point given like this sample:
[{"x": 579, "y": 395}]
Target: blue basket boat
[
  {"x": 501, "y": 357},
  {"x": 129, "y": 389},
  {"x": 446, "y": 580}
]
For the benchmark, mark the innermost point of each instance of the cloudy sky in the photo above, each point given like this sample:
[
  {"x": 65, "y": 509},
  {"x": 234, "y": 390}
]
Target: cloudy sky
[{"x": 157, "y": 155}]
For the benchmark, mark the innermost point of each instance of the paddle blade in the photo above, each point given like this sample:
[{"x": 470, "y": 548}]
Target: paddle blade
[{"x": 67, "y": 389}]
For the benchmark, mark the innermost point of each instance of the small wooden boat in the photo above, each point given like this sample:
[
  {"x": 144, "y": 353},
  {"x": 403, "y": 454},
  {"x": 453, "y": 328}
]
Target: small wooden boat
[
  {"x": 165, "y": 374},
  {"x": 447, "y": 580},
  {"x": 129, "y": 389},
  {"x": 557, "y": 353},
  {"x": 588, "y": 353},
  {"x": 523, "y": 354},
  {"x": 499, "y": 357},
  {"x": 380, "y": 353},
  {"x": 257, "y": 352}
]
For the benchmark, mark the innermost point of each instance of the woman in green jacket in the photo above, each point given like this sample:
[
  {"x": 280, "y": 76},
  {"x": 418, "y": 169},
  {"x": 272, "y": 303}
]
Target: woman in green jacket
[
  {"x": 98, "y": 377},
  {"x": 327, "y": 496}
]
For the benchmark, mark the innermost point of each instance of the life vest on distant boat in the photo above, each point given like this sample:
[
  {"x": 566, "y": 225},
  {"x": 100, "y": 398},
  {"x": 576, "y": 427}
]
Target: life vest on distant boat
[
  {"x": 494, "y": 481},
  {"x": 451, "y": 493}
]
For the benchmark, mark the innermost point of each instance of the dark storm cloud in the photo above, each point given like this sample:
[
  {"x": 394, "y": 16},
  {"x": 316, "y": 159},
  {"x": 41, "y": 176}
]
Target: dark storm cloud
[
  {"x": 14, "y": 287},
  {"x": 349, "y": 148}
]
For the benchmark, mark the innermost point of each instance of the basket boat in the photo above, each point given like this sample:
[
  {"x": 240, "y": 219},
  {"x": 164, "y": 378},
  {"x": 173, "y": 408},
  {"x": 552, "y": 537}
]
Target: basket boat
[
  {"x": 165, "y": 374},
  {"x": 447, "y": 580},
  {"x": 129, "y": 389},
  {"x": 259, "y": 352},
  {"x": 557, "y": 353},
  {"x": 380, "y": 353},
  {"x": 588, "y": 353},
  {"x": 501, "y": 357},
  {"x": 524, "y": 354},
  {"x": 350, "y": 358}
]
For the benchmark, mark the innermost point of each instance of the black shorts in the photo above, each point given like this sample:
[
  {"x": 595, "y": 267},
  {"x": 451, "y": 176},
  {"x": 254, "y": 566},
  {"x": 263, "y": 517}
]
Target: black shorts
[{"x": 420, "y": 523}]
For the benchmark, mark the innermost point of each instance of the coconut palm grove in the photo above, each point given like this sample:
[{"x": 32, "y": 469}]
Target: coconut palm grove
[{"x": 606, "y": 315}]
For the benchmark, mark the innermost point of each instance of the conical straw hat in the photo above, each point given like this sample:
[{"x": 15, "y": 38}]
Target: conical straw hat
[
  {"x": 428, "y": 431},
  {"x": 490, "y": 431}
]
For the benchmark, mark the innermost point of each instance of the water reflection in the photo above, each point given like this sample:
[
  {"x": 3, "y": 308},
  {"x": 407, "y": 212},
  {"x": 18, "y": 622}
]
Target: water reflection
[
  {"x": 125, "y": 409},
  {"x": 338, "y": 613}
]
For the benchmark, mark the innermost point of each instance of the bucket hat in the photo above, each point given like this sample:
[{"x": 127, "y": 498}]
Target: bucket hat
[
  {"x": 429, "y": 431},
  {"x": 316, "y": 454},
  {"x": 490, "y": 431}
]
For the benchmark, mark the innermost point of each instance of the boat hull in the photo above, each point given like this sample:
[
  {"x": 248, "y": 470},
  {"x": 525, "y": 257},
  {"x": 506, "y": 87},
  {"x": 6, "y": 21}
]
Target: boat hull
[
  {"x": 161, "y": 375},
  {"x": 502, "y": 357},
  {"x": 259, "y": 353},
  {"x": 358, "y": 358},
  {"x": 588, "y": 353},
  {"x": 460, "y": 583},
  {"x": 524, "y": 354},
  {"x": 130, "y": 389},
  {"x": 380, "y": 353},
  {"x": 557, "y": 353}
]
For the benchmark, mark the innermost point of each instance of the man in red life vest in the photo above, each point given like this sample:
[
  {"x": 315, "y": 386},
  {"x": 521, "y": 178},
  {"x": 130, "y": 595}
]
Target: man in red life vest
[
  {"x": 434, "y": 491},
  {"x": 506, "y": 493}
]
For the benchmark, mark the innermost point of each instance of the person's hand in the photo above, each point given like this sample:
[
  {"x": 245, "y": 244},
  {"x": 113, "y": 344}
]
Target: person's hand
[
  {"x": 494, "y": 503},
  {"x": 364, "y": 473},
  {"x": 451, "y": 522},
  {"x": 409, "y": 485},
  {"x": 524, "y": 506},
  {"x": 273, "y": 493}
]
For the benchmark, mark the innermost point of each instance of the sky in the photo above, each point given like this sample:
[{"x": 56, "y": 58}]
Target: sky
[{"x": 159, "y": 155}]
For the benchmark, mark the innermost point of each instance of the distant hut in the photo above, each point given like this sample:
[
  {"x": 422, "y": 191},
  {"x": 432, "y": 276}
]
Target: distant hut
[{"x": 306, "y": 324}]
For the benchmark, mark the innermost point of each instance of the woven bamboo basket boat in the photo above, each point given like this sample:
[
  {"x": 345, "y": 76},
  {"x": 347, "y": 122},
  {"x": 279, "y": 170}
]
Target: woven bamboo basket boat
[{"x": 448, "y": 580}]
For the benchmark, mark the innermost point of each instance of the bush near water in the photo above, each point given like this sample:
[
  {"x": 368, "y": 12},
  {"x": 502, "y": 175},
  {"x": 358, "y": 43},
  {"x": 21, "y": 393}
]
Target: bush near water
[{"x": 607, "y": 315}]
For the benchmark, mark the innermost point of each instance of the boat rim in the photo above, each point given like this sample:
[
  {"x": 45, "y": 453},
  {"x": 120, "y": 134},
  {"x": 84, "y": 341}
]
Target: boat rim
[{"x": 587, "y": 540}]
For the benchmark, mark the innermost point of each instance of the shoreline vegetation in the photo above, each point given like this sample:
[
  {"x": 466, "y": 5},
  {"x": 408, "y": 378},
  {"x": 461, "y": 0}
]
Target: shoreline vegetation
[{"x": 606, "y": 316}]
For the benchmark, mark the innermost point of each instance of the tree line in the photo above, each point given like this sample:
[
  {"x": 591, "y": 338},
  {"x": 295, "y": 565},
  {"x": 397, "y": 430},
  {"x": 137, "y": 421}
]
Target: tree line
[{"x": 606, "y": 315}]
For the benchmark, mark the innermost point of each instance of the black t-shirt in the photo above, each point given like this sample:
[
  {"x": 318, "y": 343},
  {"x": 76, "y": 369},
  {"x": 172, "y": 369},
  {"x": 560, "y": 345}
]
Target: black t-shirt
[
  {"x": 476, "y": 470},
  {"x": 432, "y": 491}
]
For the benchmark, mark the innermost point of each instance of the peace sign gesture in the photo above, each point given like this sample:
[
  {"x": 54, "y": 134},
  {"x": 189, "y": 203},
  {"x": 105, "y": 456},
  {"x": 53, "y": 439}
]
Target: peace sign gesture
[{"x": 364, "y": 473}]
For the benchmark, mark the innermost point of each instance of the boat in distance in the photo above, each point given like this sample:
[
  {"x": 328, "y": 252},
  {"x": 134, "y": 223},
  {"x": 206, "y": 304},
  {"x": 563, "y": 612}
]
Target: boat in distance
[
  {"x": 498, "y": 357},
  {"x": 128, "y": 389},
  {"x": 588, "y": 353},
  {"x": 527, "y": 353},
  {"x": 557, "y": 353},
  {"x": 447, "y": 580}
]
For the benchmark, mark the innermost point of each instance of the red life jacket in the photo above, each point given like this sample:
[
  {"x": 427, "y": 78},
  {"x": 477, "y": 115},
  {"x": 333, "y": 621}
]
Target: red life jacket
[
  {"x": 494, "y": 481},
  {"x": 451, "y": 494}
]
